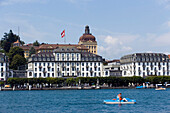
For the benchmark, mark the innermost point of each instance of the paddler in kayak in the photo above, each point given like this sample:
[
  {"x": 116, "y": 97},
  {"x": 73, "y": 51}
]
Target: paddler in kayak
[{"x": 119, "y": 97}]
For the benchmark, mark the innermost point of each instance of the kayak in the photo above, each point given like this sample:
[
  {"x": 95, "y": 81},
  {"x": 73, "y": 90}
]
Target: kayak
[{"x": 124, "y": 101}]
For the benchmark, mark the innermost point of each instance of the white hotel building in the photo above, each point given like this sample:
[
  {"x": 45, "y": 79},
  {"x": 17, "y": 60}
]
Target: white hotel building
[
  {"x": 5, "y": 73},
  {"x": 65, "y": 61},
  {"x": 145, "y": 64}
]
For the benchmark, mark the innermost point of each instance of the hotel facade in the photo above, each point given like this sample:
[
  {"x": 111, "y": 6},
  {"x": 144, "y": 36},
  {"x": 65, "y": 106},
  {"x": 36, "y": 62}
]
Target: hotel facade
[
  {"x": 65, "y": 61},
  {"x": 145, "y": 64}
]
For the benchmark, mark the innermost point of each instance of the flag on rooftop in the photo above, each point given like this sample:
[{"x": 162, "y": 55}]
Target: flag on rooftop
[{"x": 63, "y": 33}]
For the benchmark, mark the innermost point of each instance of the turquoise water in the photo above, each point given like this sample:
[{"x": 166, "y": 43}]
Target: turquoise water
[{"x": 83, "y": 101}]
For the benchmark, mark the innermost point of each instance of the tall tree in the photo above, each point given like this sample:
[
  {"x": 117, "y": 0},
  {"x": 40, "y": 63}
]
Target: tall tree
[
  {"x": 14, "y": 51},
  {"x": 8, "y": 39},
  {"x": 36, "y": 43},
  {"x": 32, "y": 51},
  {"x": 17, "y": 61}
]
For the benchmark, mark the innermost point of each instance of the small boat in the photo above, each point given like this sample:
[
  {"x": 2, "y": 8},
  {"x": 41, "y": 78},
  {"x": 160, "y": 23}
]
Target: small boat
[
  {"x": 140, "y": 87},
  {"x": 161, "y": 88},
  {"x": 123, "y": 101}
]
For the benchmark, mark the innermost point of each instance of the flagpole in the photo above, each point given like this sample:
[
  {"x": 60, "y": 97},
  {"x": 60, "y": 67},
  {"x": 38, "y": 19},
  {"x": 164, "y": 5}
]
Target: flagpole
[{"x": 65, "y": 37}]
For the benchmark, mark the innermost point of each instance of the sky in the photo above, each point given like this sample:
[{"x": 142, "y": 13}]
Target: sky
[{"x": 121, "y": 27}]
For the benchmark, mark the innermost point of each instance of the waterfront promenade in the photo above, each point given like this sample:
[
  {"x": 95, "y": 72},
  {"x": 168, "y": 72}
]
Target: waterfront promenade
[{"x": 72, "y": 88}]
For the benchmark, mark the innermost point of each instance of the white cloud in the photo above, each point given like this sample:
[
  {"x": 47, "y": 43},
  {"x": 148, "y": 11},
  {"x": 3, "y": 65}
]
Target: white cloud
[
  {"x": 111, "y": 40},
  {"x": 162, "y": 40},
  {"x": 115, "y": 46}
]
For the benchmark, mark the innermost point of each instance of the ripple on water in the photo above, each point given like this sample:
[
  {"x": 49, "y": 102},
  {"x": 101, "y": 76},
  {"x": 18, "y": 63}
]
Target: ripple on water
[{"x": 88, "y": 101}]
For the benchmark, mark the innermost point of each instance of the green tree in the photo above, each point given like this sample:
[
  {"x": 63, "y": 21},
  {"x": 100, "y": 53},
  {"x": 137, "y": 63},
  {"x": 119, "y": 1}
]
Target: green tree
[
  {"x": 31, "y": 51},
  {"x": 17, "y": 60},
  {"x": 36, "y": 43},
  {"x": 8, "y": 39},
  {"x": 12, "y": 81},
  {"x": 70, "y": 81},
  {"x": 14, "y": 51}
]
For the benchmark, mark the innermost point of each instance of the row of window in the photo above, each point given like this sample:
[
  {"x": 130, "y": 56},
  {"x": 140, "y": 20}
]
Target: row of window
[
  {"x": 79, "y": 74},
  {"x": 91, "y": 47},
  {"x": 46, "y": 50},
  {"x": 68, "y": 55},
  {"x": 130, "y": 67},
  {"x": 44, "y": 59},
  {"x": 44, "y": 75},
  {"x": 43, "y": 69},
  {"x": 63, "y": 64},
  {"x": 151, "y": 59},
  {"x": 63, "y": 74},
  {"x": 67, "y": 59},
  {"x": 148, "y": 73},
  {"x": 44, "y": 64},
  {"x": 153, "y": 63},
  {"x": 153, "y": 73},
  {"x": 147, "y": 68},
  {"x": 68, "y": 69}
]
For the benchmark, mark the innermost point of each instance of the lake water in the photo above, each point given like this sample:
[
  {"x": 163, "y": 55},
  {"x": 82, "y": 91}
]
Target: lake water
[{"x": 83, "y": 101}]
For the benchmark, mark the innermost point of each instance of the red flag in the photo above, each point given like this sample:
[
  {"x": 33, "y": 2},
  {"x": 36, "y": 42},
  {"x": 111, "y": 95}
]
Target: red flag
[{"x": 63, "y": 33}]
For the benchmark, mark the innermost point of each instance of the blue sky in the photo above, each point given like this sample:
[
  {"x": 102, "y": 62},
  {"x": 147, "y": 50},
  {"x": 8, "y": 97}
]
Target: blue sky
[{"x": 120, "y": 26}]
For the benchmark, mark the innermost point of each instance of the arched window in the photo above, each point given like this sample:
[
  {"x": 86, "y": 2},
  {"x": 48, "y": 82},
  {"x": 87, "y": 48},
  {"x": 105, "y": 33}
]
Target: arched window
[
  {"x": 106, "y": 72},
  {"x": 30, "y": 73},
  {"x": 124, "y": 72}
]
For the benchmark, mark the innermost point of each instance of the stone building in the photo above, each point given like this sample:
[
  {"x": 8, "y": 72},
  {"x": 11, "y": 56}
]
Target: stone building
[
  {"x": 145, "y": 64},
  {"x": 5, "y": 73},
  {"x": 112, "y": 68},
  {"x": 65, "y": 61},
  {"x": 88, "y": 40}
]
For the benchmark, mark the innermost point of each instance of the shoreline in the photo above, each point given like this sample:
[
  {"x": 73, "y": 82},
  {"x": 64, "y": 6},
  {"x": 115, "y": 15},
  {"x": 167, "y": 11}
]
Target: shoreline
[{"x": 71, "y": 88}]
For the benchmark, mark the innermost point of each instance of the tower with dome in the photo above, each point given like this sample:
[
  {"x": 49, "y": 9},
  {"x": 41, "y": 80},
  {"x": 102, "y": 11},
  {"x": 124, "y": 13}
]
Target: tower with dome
[{"x": 88, "y": 40}]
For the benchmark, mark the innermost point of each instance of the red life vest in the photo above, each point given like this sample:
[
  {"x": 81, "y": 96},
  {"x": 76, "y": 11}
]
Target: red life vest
[{"x": 119, "y": 96}]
